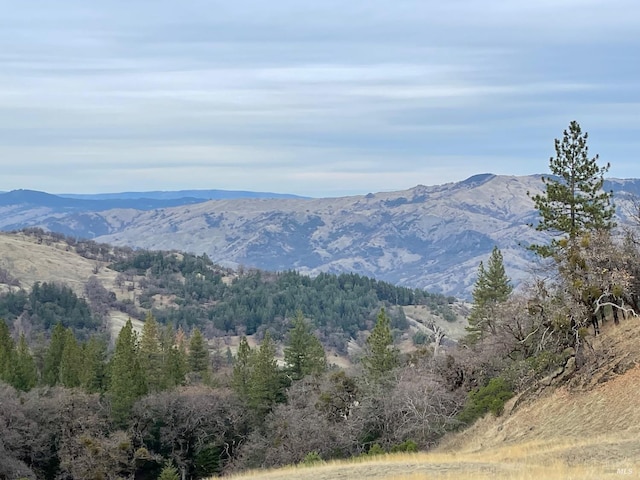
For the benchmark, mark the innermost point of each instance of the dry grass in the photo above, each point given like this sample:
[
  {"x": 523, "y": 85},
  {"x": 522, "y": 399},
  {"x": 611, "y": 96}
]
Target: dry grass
[
  {"x": 31, "y": 262},
  {"x": 420, "y": 314},
  {"x": 590, "y": 430},
  {"x": 528, "y": 461}
]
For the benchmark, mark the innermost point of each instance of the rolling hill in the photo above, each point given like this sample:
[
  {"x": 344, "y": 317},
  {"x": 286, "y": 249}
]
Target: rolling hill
[{"x": 429, "y": 237}]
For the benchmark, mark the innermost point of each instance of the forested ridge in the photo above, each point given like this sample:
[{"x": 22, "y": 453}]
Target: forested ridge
[
  {"x": 188, "y": 291},
  {"x": 166, "y": 403}
]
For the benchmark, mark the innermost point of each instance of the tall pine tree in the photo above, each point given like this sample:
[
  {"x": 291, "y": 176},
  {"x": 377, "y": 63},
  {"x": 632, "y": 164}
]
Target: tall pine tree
[
  {"x": 7, "y": 352},
  {"x": 126, "y": 382},
  {"x": 381, "y": 355},
  {"x": 303, "y": 353},
  {"x": 264, "y": 384},
  {"x": 25, "y": 374},
  {"x": 53, "y": 355},
  {"x": 573, "y": 207},
  {"x": 242, "y": 366},
  {"x": 93, "y": 375},
  {"x": 199, "y": 356},
  {"x": 72, "y": 362},
  {"x": 151, "y": 355},
  {"x": 175, "y": 357},
  {"x": 492, "y": 288},
  {"x": 573, "y": 202}
]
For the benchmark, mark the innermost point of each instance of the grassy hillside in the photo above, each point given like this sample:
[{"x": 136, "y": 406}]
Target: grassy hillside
[
  {"x": 587, "y": 429},
  {"x": 31, "y": 260}
]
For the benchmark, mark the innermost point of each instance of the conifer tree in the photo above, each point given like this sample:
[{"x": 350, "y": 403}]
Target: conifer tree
[
  {"x": 175, "y": 357},
  {"x": 151, "y": 356},
  {"x": 573, "y": 207},
  {"x": 126, "y": 383},
  {"x": 303, "y": 354},
  {"x": 25, "y": 374},
  {"x": 242, "y": 369},
  {"x": 264, "y": 385},
  {"x": 573, "y": 202},
  {"x": 53, "y": 355},
  {"x": 492, "y": 288},
  {"x": 381, "y": 356},
  {"x": 169, "y": 472},
  {"x": 92, "y": 376},
  {"x": 7, "y": 352},
  {"x": 72, "y": 362},
  {"x": 199, "y": 356}
]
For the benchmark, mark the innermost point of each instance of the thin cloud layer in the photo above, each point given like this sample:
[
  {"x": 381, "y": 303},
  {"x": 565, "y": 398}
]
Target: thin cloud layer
[{"x": 314, "y": 98}]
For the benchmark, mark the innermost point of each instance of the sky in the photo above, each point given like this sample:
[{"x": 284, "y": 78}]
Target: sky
[{"x": 311, "y": 97}]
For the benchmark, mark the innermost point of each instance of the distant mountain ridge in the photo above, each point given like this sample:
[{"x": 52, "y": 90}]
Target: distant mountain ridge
[
  {"x": 431, "y": 237},
  {"x": 179, "y": 194},
  {"x": 35, "y": 198}
]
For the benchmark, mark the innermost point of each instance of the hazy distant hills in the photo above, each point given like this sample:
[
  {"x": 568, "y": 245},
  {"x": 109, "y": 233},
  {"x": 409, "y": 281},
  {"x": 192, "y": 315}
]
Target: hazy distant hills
[
  {"x": 430, "y": 237},
  {"x": 179, "y": 195}
]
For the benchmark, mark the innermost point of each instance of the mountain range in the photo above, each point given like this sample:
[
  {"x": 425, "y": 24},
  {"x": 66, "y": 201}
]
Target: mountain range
[{"x": 431, "y": 237}]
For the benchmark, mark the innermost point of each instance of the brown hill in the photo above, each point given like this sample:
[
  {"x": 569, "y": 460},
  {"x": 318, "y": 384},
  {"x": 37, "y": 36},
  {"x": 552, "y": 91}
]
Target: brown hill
[{"x": 31, "y": 260}]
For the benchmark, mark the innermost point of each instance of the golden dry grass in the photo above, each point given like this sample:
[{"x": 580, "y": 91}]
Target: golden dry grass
[
  {"x": 30, "y": 262},
  {"x": 528, "y": 461}
]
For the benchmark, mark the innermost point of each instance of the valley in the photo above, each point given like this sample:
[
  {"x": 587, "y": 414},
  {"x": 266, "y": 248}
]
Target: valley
[{"x": 324, "y": 375}]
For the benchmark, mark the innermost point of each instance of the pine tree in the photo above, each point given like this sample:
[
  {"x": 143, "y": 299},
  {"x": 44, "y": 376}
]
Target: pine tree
[
  {"x": 264, "y": 384},
  {"x": 492, "y": 288},
  {"x": 303, "y": 354},
  {"x": 242, "y": 369},
  {"x": 175, "y": 365},
  {"x": 199, "y": 356},
  {"x": 53, "y": 356},
  {"x": 72, "y": 362},
  {"x": 7, "y": 352},
  {"x": 381, "y": 356},
  {"x": 151, "y": 355},
  {"x": 169, "y": 472},
  {"x": 573, "y": 202},
  {"x": 92, "y": 377},
  {"x": 573, "y": 207},
  {"x": 25, "y": 374},
  {"x": 126, "y": 382}
]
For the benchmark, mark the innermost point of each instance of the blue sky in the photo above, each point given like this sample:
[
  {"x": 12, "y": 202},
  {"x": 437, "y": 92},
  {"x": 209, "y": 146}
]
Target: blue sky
[{"x": 317, "y": 98}]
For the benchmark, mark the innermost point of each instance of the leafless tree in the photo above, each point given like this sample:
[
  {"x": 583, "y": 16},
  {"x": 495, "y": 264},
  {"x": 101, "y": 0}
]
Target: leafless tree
[
  {"x": 185, "y": 421},
  {"x": 315, "y": 419}
]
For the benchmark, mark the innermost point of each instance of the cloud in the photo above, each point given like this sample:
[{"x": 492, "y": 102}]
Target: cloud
[{"x": 309, "y": 97}]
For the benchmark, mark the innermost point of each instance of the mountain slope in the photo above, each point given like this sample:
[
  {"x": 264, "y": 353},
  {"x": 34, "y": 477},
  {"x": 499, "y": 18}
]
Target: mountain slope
[
  {"x": 589, "y": 429},
  {"x": 429, "y": 237},
  {"x": 426, "y": 237}
]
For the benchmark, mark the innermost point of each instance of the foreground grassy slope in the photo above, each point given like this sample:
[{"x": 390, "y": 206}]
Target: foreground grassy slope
[{"x": 588, "y": 429}]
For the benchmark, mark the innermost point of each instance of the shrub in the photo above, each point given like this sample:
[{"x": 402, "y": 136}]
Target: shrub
[
  {"x": 490, "y": 398},
  {"x": 312, "y": 458},
  {"x": 169, "y": 472},
  {"x": 406, "y": 446},
  {"x": 376, "y": 449},
  {"x": 420, "y": 338}
]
